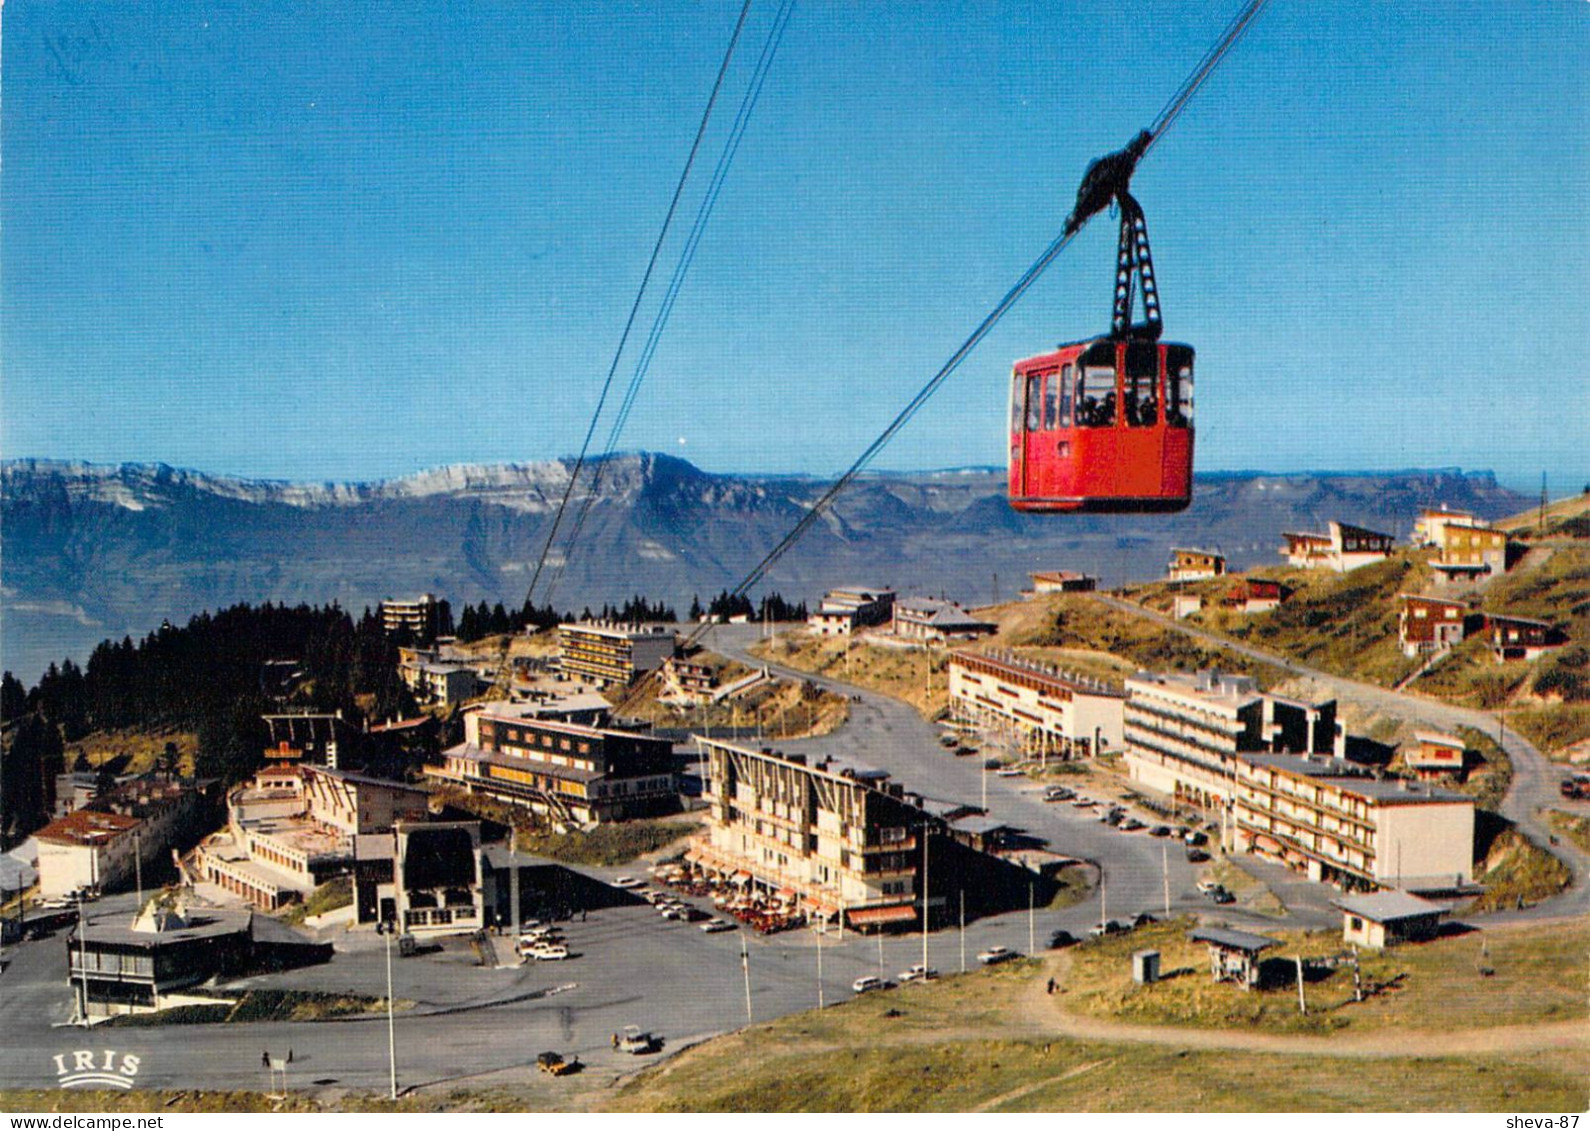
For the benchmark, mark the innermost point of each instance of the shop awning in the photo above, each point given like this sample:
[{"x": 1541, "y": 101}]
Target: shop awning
[
  {"x": 693, "y": 855},
  {"x": 874, "y": 916},
  {"x": 740, "y": 877}
]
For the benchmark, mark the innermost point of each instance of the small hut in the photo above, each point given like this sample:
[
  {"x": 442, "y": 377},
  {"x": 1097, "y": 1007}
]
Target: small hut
[{"x": 1234, "y": 955}]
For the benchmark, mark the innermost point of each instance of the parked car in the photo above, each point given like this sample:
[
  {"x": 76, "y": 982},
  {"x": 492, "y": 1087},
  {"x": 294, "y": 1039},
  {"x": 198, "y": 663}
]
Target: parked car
[
  {"x": 1058, "y": 793},
  {"x": 628, "y": 882},
  {"x": 992, "y": 763},
  {"x": 1110, "y": 927},
  {"x": 870, "y": 982},
  {"x": 1084, "y": 802},
  {"x": 1131, "y": 825},
  {"x": 1220, "y": 895},
  {"x": 549, "y": 952},
  {"x": 1114, "y": 816},
  {"x": 1143, "y": 919},
  {"x": 948, "y": 740},
  {"x": 994, "y": 955},
  {"x": 636, "y": 1041},
  {"x": 1205, "y": 886},
  {"x": 1060, "y": 939},
  {"x": 1196, "y": 855},
  {"x": 713, "y": 926},
  {"x": 918, "y": 973},
  {"x": 1194, "y": 837}
]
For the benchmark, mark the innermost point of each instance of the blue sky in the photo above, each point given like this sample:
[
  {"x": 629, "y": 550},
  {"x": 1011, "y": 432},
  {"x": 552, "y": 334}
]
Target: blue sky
[{"x": 334, "y": 242}]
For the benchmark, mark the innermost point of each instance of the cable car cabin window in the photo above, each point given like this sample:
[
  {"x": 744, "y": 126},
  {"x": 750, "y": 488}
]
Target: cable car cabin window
[
  {"x": 1018, "y": 401},
  {"x": 1034, "y": 402},
  {"x": 1178, "y": 387},
  {"x": 1141, "y": 406},
  {"x": 1095, "y": 403},
  {"x": 1051, "y": 401},
  {"x": 1065, "y": 396}
]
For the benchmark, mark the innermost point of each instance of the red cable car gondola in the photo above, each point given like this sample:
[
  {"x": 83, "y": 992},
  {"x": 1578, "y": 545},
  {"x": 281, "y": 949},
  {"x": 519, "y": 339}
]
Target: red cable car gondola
[{"x": 1105, "y": 424}]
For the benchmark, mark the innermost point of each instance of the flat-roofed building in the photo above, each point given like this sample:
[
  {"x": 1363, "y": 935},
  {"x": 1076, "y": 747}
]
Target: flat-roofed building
[
  {"x": 569, "y": 772},
  {"x": 293, "y": 827},
  {"x": 1192, "y": 564},
  {"x": 844, "y": 611},
  {"x": 419, "y": 617},
  {"x": 1184, "y": 732},
  {"x": 926, "y": 618},
  {"x": 843, "y": 841},
  {"x": 1328, "y": 819},
  {"x": 86, "y": 850},
  {"x": 1429, "y": 625},
  {"x": 1062, "y": 581},
  {"x": 162, "y": 958},
  {"x": 1049, "y": 711},
  {"x": 612, "y": 655},
  {"x": 438, "y": 682},
  {"x": 1345, "y": 548},
  {"x": 94, "y": 847}
]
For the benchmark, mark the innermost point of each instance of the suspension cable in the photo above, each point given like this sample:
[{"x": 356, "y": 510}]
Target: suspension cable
[
  {"x": 640, "y": 293},
  {"x": 1167, "y": 116},
  {"x": 709, "y": 200}
]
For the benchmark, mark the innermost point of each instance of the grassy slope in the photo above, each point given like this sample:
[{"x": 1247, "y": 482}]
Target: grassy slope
[
  {"x": 1536, "y": 975},
  {"x": 960, "y": 1044}
]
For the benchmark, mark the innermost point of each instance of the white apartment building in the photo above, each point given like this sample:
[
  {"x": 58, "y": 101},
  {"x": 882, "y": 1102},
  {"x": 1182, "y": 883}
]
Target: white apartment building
[{"x": 1049, "y": 711}]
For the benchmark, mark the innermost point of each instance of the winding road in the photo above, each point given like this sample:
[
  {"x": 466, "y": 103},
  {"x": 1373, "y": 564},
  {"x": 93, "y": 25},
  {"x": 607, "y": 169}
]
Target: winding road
[{"x": 1534, "y": 782}]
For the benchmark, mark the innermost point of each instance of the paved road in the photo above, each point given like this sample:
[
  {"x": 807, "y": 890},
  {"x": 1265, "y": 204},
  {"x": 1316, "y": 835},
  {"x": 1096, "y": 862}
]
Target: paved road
[
  {"x": 1534, "y": 784},
  {"x": 890, "y": 735}
]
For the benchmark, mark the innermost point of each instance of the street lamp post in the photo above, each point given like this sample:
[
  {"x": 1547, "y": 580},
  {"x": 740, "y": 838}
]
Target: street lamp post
[{"x": 386, "y": 930}]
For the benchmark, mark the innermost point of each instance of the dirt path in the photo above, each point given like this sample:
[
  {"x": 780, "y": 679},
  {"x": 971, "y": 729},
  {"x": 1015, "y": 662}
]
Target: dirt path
[
  {"x": 1025, "y": 1089},
  {"x": 1036, "y": 1010}
]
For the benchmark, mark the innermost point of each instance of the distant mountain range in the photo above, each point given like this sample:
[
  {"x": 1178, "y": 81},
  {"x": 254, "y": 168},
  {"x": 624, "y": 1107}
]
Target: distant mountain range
[{"x": 94, "y": 551}]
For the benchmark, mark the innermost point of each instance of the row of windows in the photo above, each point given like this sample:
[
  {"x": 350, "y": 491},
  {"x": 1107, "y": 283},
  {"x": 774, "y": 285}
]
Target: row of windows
[{"x": 1085, "y": 396}]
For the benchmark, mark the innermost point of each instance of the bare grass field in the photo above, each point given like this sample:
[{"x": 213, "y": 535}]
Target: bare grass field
[{"x": 1479, "y": 979}]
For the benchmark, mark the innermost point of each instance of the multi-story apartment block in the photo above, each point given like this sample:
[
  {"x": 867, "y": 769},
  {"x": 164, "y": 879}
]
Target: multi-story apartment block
[
  {"x": 138, "y": 819},
  {"x": 564, "y": 770},
  {"x": 1183, "y": 733},
  {"x": 1430, "y": 624},
  {"x": 1336, "y": 823},
  {"x": 420, "y": 617},
  {"x": 925, "y": 618},
  {"x": 843, "y": 838},
  {"x": 1195, "y": 565},
  {"x": 847, "y": 844},
  {"x": 1427, "y": 529},
  {"x": 612, "y": 655},
  {"x": 1469, "y": 551},
  {"x": 1344, "y": 549},
  {"x": 439, "y": 683},
  {"x": 843, "y": 611},
  {"x": 1049, "y": 711}
]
